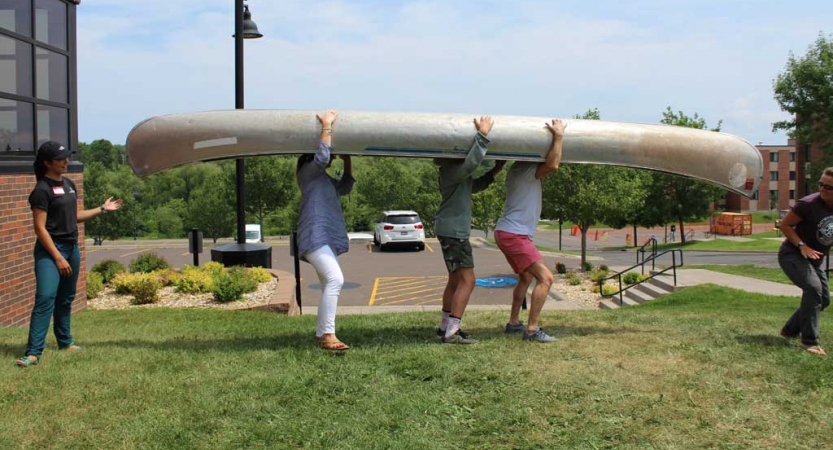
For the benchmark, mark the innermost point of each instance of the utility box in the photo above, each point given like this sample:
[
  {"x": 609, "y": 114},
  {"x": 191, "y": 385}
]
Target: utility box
[{"x": 731, "y": 224}]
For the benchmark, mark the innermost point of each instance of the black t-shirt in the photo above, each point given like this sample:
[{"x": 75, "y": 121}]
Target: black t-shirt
[
  {"x": 816, "y": 226},
  {"x": 60, "y": 201}
]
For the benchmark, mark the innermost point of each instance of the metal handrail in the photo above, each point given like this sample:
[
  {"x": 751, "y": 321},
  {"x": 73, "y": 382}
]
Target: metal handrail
[
  {"x": 653, "y": 273},
  {"x": 641, "y": 251}
]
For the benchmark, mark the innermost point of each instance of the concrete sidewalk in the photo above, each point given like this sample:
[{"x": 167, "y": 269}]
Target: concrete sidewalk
[{"x": 693, "y": 277}]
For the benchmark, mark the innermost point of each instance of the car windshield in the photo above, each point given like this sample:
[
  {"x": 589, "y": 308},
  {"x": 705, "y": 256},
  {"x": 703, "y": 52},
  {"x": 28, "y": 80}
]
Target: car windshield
[{"x": 402, "y": 220}]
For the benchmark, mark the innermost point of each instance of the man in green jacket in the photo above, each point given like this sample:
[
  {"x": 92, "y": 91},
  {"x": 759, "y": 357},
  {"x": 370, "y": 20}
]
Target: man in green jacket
[{"x": 453, "y": 227}]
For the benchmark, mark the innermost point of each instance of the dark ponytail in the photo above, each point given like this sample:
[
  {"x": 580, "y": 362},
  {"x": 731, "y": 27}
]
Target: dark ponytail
[{"x": 40, "y": 169}]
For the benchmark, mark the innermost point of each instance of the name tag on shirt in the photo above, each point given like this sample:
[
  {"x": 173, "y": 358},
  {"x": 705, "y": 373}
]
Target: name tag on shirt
[{"x": 58, "y": 190}]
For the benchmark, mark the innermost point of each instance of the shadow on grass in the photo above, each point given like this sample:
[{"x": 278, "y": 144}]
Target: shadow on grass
[
  {"x": 763, "y": 340},
  {"x": 361, "y": 336}
]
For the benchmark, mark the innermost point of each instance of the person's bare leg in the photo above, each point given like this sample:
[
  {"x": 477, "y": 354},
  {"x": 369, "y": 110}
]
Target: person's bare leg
[
  {"x": 544, "y": 278},
  {"x": 518, "y": 296},
  {"x": 450, "y": 288},
  {"x": 465, "y": 286}
]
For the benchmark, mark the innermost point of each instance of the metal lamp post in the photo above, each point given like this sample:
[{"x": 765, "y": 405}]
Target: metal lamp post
[{"x": 242, "y": 253}]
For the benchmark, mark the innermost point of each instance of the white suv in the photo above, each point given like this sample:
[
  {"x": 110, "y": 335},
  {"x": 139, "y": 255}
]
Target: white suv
[{"x": 399, "y": 228}]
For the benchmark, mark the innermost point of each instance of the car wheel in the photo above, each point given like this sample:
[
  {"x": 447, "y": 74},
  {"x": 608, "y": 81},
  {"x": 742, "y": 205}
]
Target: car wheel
[
  {"x": 421, "y": 247},
  {"x": 375, "y": 240},
  {"x": 382, "y": 247}
]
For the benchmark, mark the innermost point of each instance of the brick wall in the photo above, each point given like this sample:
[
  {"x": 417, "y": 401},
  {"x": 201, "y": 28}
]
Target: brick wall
[{"x": 17, "y": 240}]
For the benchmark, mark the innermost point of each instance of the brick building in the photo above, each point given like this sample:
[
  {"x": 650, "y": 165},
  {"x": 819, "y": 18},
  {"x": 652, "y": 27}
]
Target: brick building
[
  {"x": 38, "y": 102},
  {"x": 785, "y": 178}
]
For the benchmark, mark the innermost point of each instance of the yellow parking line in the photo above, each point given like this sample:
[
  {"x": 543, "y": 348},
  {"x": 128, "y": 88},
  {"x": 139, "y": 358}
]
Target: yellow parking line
[
  {"x": 133, "y": 253},
  {"x": 373, "y": 294},
  {"x": 369, "y": 247},
  {"x": 429, "y": 248},
  {"x": 400, "y": 284},
  {"x": 412, "y": 292}
]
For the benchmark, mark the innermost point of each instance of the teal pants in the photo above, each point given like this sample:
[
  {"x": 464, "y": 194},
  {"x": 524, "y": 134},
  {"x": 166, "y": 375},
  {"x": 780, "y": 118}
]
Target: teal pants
[{"x": 53, "y": 298}]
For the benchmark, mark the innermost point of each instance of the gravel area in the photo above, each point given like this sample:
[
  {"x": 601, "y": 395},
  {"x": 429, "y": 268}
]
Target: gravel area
[
  {"x": 169, "y": 298},
  {"x": 582, "y": 293}
]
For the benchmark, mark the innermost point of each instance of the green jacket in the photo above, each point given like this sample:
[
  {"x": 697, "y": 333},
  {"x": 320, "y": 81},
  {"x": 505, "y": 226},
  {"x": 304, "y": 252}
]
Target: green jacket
[{"x": 453, "y": 219}]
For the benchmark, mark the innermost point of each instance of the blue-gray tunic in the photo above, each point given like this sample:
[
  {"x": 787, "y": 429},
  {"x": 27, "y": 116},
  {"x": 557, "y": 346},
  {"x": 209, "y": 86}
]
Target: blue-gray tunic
[{"x": 321, "y": 221}]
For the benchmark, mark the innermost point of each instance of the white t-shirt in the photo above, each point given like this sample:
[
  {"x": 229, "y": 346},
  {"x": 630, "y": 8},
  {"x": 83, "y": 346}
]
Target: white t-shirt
[{"x": 523, "y": 200}]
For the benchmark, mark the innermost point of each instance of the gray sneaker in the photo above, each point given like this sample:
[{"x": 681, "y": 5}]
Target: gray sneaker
[
  {"x": 456, "y": 338},
  {"x": 538, "y": 336},
  {"x": 513, "y": 329}
]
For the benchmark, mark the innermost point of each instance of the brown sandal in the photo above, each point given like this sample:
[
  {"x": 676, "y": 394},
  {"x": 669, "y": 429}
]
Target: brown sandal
[
  {"x": 814, "y": 349},
  {"x": 336, "y": 346}
]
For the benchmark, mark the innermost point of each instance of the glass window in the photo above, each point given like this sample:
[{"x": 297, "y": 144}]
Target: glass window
[
  {"x": 51, "y": 22},
  {"x": 53, "y": 124},
  {"x": 792, "y": 175},
  {"x": 52, "y": 75},
  {"x": 773, "y": 176},
  {"x": 15, "y": 67},
  {"x": 773, "y": 157},
  {"x": 773, "y": 195},
  {"x": 402, "y": 220},
  {"x": 792, "y": 156},
  {"x": 16, "y": 16},
  {"x": 755, "y": 195},
  {"x": 792, "y": 195},
  {"x": 16, "y": 126}
]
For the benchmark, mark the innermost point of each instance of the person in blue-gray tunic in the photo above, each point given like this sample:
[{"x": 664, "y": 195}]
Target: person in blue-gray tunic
[{"x": 322, "y": 232}]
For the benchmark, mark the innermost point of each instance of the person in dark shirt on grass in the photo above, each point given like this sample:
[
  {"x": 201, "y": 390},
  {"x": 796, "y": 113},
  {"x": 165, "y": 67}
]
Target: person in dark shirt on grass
[{"x": 54, "y": 203}]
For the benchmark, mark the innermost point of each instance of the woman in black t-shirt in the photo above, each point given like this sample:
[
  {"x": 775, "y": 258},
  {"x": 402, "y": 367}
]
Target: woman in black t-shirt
[
  {"x": 55, "y": 214},
  {"x": 808, "y": 229}
]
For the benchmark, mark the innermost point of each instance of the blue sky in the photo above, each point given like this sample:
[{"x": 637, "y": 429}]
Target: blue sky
[{"x": 629, "y": 59}]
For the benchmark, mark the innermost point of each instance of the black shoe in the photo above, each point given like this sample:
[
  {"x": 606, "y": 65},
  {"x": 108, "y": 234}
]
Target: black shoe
[{"x": 462, "y": 333}]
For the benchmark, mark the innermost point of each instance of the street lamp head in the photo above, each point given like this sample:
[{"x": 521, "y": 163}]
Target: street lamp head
[{"x": 249, "y": 27}]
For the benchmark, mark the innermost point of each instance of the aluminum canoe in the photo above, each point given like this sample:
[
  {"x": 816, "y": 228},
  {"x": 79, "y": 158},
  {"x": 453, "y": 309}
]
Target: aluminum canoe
[{"x": 164, "y": 142}]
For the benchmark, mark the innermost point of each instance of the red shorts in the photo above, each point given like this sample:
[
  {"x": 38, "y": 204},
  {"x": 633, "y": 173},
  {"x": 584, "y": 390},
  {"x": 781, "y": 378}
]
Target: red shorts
[{"x": 519, "y": 251}]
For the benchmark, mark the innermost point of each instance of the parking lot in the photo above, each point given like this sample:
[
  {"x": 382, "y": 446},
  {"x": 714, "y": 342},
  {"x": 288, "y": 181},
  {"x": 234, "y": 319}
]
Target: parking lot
[{"x": 372, "y": 277}]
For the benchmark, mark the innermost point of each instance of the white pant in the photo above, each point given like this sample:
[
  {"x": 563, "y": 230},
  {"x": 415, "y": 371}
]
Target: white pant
[{"x": 326, "y": 265}]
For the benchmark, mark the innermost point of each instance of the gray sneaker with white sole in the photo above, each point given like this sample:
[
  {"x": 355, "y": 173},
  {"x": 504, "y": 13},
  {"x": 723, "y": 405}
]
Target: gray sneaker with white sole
[{"x": 538, "y": 336}]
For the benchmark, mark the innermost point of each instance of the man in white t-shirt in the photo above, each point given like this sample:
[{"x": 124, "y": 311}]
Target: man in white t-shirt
[{"x": 514, "y": 230}]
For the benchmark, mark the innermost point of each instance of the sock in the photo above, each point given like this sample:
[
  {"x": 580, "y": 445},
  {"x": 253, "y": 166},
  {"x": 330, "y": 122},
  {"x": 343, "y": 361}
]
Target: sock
[
  {"x": 444, "y": 322},
  {"x": 453, "y": 326}
]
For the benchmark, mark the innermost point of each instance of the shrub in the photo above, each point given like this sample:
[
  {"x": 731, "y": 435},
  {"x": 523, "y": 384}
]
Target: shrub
[
  {"x": 260, "y": 275},
  {"x": 166, "y": 277},
  {"x": 95, "y": 284},
  {"x": 214, "y": 268},
  {"x": 644, "y": 277},
  {"x": 231, "y": 285},
  {"x": 192, "y": 280},
  {"x": 604, "y": 267},
  {"x": 560, "y": 267},
  {"x": 146, "y": 289},
  {"x": 588, "y": 266},
  {"x": 630, "y": 277},
  {"x": 108, "y": 269},
  {"x": 122, "y": 283},
  {"x": 598, "y": 275},
  {"x": 148, "y": 262},
  {"x": 143, "y": 287},
  {"x": 574, "y": 280},
  {"x": 609, "y": 290}
]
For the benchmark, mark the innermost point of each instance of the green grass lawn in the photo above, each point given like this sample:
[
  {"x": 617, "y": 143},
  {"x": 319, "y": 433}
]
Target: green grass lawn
[
  {"x": 701, "y": 368},
  {"x": 746, "y": 270}
]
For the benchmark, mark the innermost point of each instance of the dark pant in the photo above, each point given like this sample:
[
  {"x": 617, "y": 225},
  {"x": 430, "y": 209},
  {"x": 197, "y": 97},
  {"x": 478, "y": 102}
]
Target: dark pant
[
  {"x": 816, "y": 296},
  {"x": 53, "y": 298}
]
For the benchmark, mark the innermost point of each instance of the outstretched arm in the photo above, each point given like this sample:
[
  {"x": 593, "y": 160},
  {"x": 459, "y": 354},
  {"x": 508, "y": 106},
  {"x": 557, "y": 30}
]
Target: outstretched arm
[
  {"x": 554, "y": 154},
  {"x": 483, "y": 182},
  {"x": 109, "y": 205},
  {"x": 476, "y": 153}
]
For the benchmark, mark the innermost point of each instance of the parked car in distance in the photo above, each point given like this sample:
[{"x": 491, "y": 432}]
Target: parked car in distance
[
  {"x": 253, "y": 235},
  {"x": 400, "y": 228}
]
